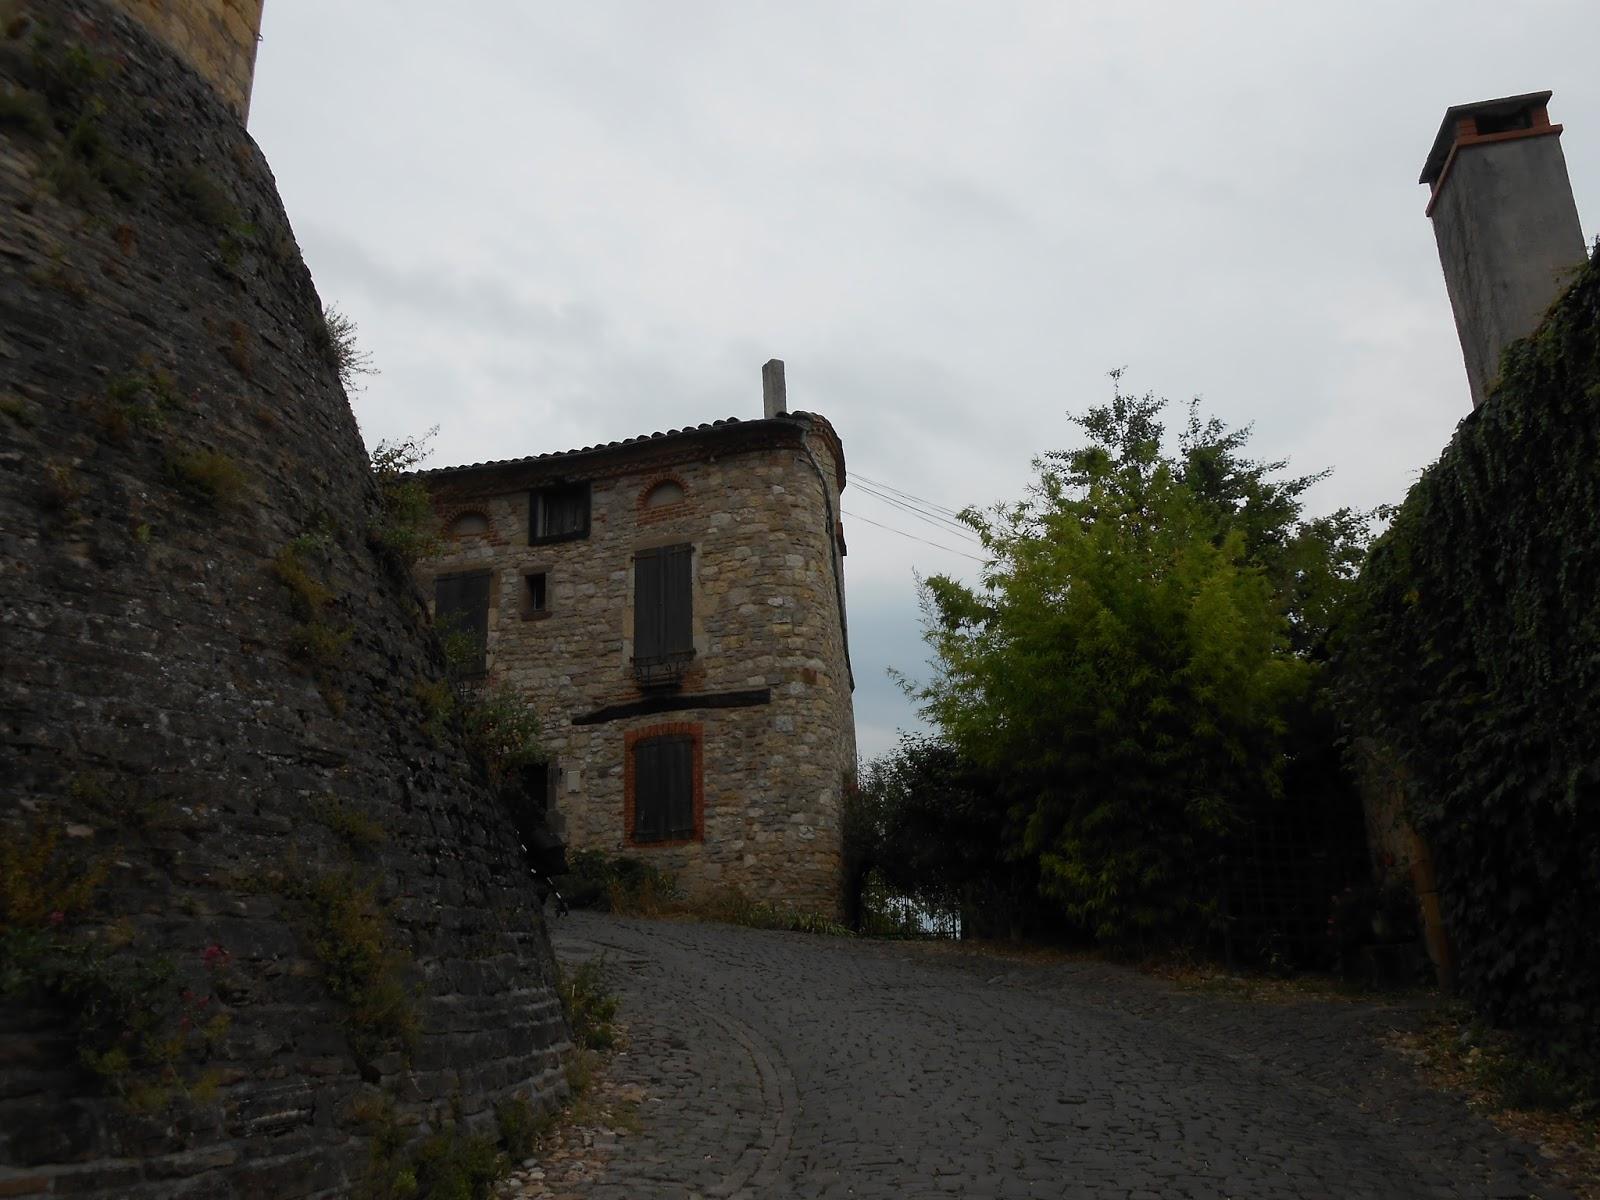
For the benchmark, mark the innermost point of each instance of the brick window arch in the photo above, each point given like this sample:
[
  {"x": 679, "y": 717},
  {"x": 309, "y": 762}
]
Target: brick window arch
[
  {"x": 470, "y": 523},
  {"x": 664, "y": 496}
]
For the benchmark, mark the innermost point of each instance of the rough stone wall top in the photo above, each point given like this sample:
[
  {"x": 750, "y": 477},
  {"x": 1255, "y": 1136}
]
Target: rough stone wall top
[{"x": 217, "y": 37}]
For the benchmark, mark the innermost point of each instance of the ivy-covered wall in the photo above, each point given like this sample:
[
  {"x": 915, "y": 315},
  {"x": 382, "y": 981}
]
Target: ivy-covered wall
[{"x": 1473, "y": 662}]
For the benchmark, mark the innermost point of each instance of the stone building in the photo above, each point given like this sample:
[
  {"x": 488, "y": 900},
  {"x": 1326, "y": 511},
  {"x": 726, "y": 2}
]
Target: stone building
[{"x": 674, "y": 604}]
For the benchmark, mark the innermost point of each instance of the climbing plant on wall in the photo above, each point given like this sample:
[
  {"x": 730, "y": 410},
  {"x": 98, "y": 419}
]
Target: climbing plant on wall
[{"x": 1474, "y": 661}]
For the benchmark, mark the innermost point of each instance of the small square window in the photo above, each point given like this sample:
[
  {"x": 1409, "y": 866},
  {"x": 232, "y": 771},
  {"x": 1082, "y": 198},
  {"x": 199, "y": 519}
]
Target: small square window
[
  {"x": 535, "y": 594},
  {"x": 558, "y": 514}
]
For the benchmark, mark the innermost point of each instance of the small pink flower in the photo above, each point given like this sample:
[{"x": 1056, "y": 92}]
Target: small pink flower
[{"x": 58, "y": 917}]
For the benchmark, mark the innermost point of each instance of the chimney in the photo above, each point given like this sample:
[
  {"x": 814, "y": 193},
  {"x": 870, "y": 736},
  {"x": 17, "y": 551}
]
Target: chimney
[
  {"x": 774, "y": 400},
  {"x": 1507, "y": 228}
]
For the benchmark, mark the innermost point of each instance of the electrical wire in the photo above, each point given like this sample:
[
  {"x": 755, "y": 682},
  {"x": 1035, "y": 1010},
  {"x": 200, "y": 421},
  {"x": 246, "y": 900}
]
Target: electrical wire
[
  {"x": 857, "y": 476},
  {"x": 912, "y": 536},
  {"x": 942, "y": 524}
]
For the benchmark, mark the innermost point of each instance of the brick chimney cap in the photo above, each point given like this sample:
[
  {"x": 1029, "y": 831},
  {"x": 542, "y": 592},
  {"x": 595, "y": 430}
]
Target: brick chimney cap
[{"x": 1503, "y": 107}]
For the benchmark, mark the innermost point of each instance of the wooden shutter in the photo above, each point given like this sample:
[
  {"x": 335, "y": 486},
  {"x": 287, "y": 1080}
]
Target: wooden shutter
[
  {"x": 677, "y": 601},
  {"x": 663, "y": 783},
  {"x": 677, "y": 769},
  {"x": 649, "y": 813},
  {"x": 461, "y": 602},
  {"x": 648, "y": 630},
  {"x": 663, "y": 603}
]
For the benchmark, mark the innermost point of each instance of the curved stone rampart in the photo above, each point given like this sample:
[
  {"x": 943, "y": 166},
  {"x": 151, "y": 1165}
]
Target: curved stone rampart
[
  {"x": 216, "y": 37},
  {"x": 257, "y": 907}
]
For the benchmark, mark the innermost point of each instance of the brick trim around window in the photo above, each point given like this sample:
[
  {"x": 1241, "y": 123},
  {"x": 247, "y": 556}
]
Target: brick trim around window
[
  {"x": 696, "y": 733},
  {"x": 661, "y": 512}
]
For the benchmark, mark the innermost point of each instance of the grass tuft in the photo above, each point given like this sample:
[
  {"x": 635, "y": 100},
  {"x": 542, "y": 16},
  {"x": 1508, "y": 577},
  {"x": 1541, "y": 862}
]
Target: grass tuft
[
  {"x": 588, "y": 1005},
  {"x": 210, "y": 477}
]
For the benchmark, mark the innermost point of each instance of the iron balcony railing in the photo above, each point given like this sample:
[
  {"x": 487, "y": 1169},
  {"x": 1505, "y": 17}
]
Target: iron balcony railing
[{"x": 662, "y": 670}]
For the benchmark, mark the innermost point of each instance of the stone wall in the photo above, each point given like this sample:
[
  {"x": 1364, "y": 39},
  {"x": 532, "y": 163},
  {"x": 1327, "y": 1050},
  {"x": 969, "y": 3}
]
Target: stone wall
[
  {"x": 760, "y": 508},
  {"x": 258, "y": 905},
  {"x": 217, "y": 38}
]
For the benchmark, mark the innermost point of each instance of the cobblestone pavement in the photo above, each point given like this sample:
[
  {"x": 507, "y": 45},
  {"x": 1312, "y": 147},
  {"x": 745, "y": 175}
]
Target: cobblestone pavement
[{"x": 786, "y": 1065}]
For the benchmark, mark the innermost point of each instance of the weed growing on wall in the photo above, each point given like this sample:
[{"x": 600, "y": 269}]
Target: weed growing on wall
[
  {"x": 23, "y": 113},
  {"x": 209, "y": 477},
  {"x": 317, "y": 640},
  {"x": 69, "y": 80},
  {"x": 342, "y": 350},
  {"x": 204, "y": 198},
  {"x": 348, "y": 932},
  {"x": 355, "y": 828},
  {"x": 404, "y": 528},
  {"x": 131, "y": 1025},
  {"x": 142, "y": 399}
]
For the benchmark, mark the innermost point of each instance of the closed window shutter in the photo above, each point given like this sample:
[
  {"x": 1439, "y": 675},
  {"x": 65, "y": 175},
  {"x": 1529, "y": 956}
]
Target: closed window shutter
[
  {"x": 678, "y": 769},
  {"x": 663, "y": 603},
  {"x": 461, "y": 603},
  {"x": 649, "y": 626},
  {"x": 649, "y": 813},
  {"x": 663, "y": 789},
  {"x": 677, "y": 631}
]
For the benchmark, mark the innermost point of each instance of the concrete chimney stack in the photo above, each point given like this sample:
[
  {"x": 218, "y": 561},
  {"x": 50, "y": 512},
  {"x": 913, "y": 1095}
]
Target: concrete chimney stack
[
  {"x": 1506, "y": 225},
  {"x": 774, "y": 399}
]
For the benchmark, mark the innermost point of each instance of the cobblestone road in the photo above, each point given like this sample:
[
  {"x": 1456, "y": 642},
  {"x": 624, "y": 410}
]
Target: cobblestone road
[{"x": 780, "y": 1064}]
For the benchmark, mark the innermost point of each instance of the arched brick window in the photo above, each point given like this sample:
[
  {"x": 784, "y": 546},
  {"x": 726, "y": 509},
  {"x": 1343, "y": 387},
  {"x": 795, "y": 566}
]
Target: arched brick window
[
  {"x": 668, "y": 491},
  {"x": 469, "y": 524},
  {"x": 663, "y": 497}
]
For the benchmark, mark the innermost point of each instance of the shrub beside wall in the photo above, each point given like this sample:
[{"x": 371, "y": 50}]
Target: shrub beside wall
[{"x": 1474, "y": 662}]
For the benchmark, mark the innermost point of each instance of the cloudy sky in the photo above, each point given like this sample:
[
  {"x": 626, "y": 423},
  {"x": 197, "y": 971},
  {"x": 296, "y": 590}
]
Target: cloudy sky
[{"x": 557, "y": 224}]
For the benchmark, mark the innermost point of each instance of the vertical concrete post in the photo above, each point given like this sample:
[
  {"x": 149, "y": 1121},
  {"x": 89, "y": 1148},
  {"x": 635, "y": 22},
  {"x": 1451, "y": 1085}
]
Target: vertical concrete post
[
  {"x": 774, "y": 398},
  {"x": 1505, "y": 222}
]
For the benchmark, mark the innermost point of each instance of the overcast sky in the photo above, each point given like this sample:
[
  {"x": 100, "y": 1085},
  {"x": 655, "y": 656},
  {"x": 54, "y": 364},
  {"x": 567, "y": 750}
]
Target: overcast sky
[{"x": 559, "y": 224}]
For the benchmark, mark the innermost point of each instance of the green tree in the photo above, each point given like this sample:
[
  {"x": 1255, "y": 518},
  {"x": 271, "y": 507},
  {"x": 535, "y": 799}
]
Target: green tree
[
  {"x": 1146, "y": 629},
  {"x": 935, "y": 828}
]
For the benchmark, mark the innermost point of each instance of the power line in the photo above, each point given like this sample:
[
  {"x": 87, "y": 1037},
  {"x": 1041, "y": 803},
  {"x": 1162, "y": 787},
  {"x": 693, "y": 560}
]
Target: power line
[
  {"x": 912, "y": 536},
  {"x": 943, "y": 524},
  {"x": 926, "y": 503}
]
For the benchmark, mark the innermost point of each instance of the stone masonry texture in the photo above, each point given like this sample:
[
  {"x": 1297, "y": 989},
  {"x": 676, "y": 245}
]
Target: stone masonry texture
[
  {"x": 216, "y": 37},
  {"x": 758, "y": 502},
  {"x": 291, "y": 910}
]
